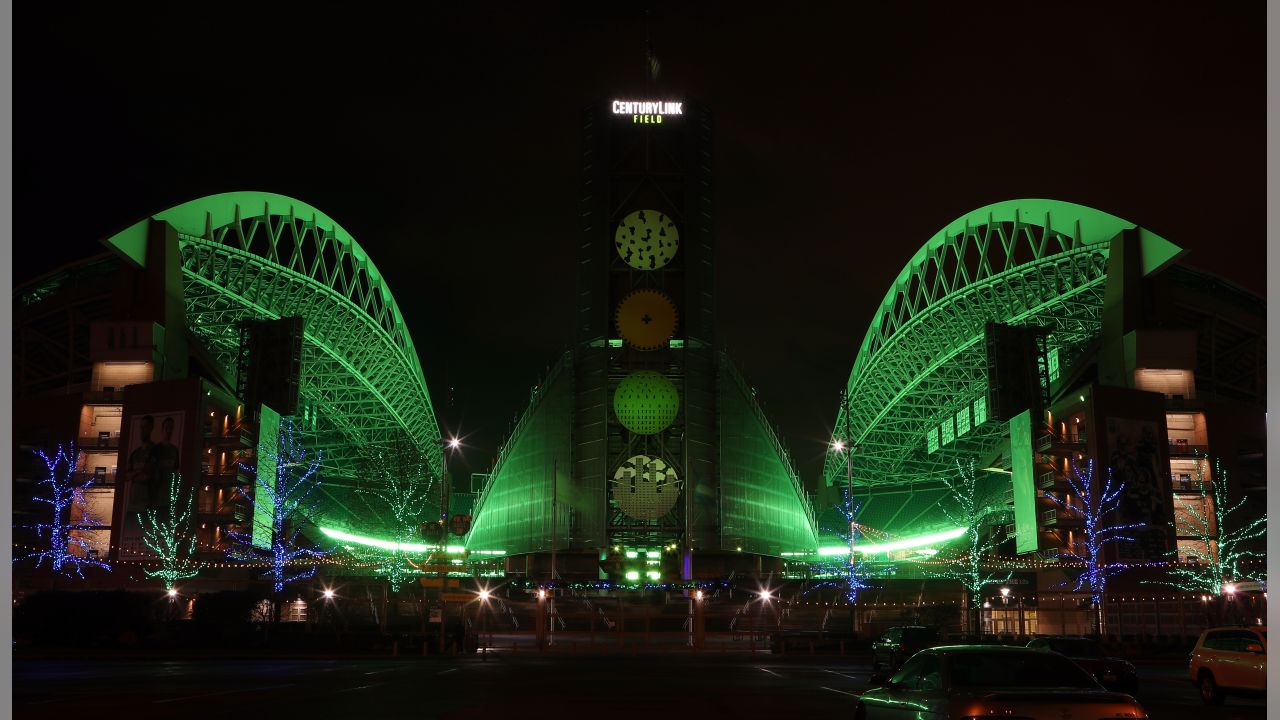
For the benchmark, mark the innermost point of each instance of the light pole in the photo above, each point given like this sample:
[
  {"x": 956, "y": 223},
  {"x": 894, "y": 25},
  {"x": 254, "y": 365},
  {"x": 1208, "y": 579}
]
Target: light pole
[
  {"x": 847, "y": 448},
  {"x": 1004, "y": 599},
  {"x": 484, "y": 623},
  {"x": 451, "y": 443}
]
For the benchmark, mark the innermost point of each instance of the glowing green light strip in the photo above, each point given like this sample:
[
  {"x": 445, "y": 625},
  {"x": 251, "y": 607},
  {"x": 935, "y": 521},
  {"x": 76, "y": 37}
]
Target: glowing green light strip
[
  {"x": 396, "y": 546},
  {"x": 905, "y": 544}
]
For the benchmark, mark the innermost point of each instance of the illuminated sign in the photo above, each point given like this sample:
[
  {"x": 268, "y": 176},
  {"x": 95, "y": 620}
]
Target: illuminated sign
[{"x": 644, "y": 112}]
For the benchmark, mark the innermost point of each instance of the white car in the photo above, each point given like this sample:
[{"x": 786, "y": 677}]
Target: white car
[{"x": 1230, "y": 659}]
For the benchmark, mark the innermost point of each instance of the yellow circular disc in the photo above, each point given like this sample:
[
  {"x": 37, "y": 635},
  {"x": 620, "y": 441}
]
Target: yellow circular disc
[{"x": 646, "y": 319}]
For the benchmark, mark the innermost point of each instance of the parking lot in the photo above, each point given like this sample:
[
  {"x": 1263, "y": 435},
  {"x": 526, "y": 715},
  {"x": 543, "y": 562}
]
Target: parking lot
[{"x": 502, "y": 684}]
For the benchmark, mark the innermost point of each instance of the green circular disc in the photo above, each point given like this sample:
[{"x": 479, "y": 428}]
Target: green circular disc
[
  {"x": 646, "y": 402},
  {"x": 646, "y": 239}
]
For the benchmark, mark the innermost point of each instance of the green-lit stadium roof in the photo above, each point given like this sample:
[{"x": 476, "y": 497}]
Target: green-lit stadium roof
[
  {"x": 264, "y": 256},
  {"x": 922, "y": 360}
]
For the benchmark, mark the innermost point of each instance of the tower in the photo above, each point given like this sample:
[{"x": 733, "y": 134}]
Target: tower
[{"x": 645, "y": 371}]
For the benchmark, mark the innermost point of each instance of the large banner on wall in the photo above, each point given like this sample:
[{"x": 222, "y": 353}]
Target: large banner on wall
[
  {"x": 1135, "y": 460},
  {"x": 153, "y": 456},
  {"x": 265, "y": 471},
  {"x": 1024, "y": 484}
]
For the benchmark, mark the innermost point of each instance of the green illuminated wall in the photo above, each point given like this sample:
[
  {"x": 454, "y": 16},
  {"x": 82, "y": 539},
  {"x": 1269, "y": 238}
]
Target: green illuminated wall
[
  {"x": 763, "y": 508},
  {"x": 513, "y": 513},
  {"x": 268, "y": 448},
  {"x": 1024, "y": 489}
]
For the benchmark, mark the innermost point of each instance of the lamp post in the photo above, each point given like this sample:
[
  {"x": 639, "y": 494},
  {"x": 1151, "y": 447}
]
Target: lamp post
[
  {"x": 1004, "y": 599},
  {"x": 847, "y": 448},
  {"x": 451, "y": 443},
  {"x": 484, "y": 623}
]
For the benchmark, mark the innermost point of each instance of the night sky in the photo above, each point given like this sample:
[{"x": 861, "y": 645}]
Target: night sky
[{"x": 446, "y": 140}]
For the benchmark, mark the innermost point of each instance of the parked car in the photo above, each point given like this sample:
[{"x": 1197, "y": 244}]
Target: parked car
[
  {"x": 899, "y": 643},
  {"x": 1114, "y": 673},
  {"x": 979, "y": 681},
  {"x": 1230, "y": 659}
]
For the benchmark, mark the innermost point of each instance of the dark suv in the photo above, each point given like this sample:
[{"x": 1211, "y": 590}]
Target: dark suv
[
  {"x": 900, "y": 643},
  {"x": 1114, "y": 673}
]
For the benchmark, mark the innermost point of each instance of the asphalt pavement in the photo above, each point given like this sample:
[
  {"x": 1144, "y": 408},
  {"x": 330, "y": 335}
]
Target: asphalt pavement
[{"x": 499, "y": 685}]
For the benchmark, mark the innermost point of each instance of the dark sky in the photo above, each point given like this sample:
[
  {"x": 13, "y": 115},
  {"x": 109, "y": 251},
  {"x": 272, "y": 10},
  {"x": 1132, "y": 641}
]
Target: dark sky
[{"x": 446, "y": 141}]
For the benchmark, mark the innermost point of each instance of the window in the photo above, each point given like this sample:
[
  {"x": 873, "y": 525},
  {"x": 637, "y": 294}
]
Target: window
[
  {"x": 909, "y": 674},
  {"x": 1230, "y": 640},
  {"x": 979, "y": 411}
]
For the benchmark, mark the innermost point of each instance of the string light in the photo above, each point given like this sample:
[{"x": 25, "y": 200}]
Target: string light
[
  {"x": 1221, "y": 548},
  {"x": 402, "y": 490},
  {"x": 972, "y": 511},
  {"x": 288, "y": 502},
  {"x": 67, "y": 497},
  {"x": 169, "y": 536},
  {"x": 1095, "y": 506},
  {"x": 852, "y": 572}
]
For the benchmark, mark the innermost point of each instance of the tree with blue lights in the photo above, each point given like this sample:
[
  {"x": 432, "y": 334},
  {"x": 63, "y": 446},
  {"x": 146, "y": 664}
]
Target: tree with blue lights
[
  {"x": 975, "y": 509},
  {"x": 68, "y": 552},
  {"x": 852, "y": 572},
  {"x": 1094, "y": 503},
  {"x": 1223, "y": 543},
  {"x": 287, "y": 499},
  {"x": 170, "y": 535}
]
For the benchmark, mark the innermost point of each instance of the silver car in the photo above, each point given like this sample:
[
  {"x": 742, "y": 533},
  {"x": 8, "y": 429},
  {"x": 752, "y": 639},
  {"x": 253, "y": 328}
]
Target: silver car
[{"x": 983, "y": 681}]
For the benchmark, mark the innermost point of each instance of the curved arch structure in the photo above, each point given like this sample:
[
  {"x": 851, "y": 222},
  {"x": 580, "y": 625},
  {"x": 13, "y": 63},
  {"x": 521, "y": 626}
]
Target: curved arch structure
[
  {"x": 923, "y": 359},
  {"x": 256, "y": 255}
]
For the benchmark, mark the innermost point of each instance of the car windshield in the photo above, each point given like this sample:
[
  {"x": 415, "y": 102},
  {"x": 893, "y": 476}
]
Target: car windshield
[
  {"x": 1018, "y": 670},
  {"x": 1072, "y": 647}
]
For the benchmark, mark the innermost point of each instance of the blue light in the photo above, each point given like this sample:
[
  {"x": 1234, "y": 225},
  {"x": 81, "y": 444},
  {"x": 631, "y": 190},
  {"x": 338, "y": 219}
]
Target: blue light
[
  {"x": 64, "y": 494},
  {"x": 289, "y": 500}
]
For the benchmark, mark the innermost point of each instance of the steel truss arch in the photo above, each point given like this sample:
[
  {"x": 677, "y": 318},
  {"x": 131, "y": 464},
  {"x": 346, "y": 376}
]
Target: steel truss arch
[
  {"x": 260, "y": 255},
  {"x": 922, "y": 360}
]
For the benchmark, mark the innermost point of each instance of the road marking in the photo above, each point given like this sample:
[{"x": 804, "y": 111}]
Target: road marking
[
  {"x": 361, "y": 687},
  {"x": 851, "y": 677},
  {"x": 770, "y": 672},
  {"x": 824, "y": 687},
  {"x": 222, "y": 692},
  {"x": 448, "y": 671}
]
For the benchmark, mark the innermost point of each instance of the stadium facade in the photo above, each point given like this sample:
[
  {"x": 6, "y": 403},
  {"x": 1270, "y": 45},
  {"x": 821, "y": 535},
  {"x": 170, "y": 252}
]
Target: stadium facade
[{"x": 1029, "y": 338}]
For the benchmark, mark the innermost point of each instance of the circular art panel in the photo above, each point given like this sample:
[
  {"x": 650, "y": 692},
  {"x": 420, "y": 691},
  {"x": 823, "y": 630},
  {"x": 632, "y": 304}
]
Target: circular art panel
[
  {"x": 645, "y": 488},
  {"x": 646, "y": 402},
  {"x": 646, "y": 239},
  {"x": 646, "y": 319}
]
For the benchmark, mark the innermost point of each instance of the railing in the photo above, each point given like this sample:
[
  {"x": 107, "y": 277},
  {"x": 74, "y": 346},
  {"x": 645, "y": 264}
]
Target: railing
[
  {"x": 104, "y": 396},
  {"x": 99, "y": 479},
  {"x": 94, "y": 441},
  {"x": 1049, "y": 439},
  {"x": 1183, "y": 448},
  {"x": 1046, "y": 481},
  {"x": 728, "y": 369},
  {"x": 534, "y": 400},
  {"x": 1186, "y": 486},
  {"x": 1049, "y": 517}
]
